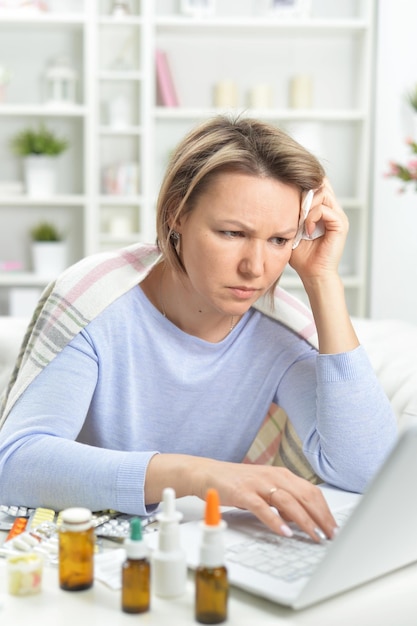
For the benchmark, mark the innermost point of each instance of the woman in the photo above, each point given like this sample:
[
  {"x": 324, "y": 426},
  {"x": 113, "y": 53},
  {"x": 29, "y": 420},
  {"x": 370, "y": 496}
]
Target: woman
[{"x": 155, "y": 366}]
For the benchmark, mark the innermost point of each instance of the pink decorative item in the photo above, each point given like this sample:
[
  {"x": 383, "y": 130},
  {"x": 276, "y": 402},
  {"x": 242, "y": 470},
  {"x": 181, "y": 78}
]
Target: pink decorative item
[{"x": 166, "y": 94}]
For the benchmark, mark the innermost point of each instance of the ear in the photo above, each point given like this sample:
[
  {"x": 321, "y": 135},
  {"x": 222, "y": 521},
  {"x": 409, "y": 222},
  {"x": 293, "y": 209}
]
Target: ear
[{"x": 176, "y": 226}]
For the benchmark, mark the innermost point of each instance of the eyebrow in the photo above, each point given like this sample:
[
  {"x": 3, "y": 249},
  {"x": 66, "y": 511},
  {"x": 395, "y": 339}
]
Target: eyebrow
[{"x": 240, "y": 226}]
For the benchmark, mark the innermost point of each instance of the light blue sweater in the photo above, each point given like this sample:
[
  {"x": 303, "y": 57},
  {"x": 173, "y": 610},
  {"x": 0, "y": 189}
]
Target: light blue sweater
[{"x": 132, "y": 384}]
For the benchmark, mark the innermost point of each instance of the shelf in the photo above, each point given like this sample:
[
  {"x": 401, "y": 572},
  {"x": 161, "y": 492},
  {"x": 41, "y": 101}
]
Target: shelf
[
  {"x": 107, "y": 200},
  {"x": 120, "y": 240},
  {"x": 118, "y": 75},
  {"x": 238, "y": 26},
  {"x": 33, "y": 20},
  {"x": 322, "y": 115},
  {"x": 126, "y": 20},
  {"x": 41, "y": 110},
  {"x": 58, "y": 200},
  {"x": 128, "y": 130},
  {"x": 352, "y": 204},
  {"x": 21, "y": 279}
]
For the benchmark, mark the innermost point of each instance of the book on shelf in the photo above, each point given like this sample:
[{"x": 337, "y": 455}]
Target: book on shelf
[{"x": 165, "y": 88}]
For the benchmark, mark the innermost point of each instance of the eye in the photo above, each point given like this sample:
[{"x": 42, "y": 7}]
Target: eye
[
  {"x": 279, "y": 241},
  {"x": 232, "y": 234}
]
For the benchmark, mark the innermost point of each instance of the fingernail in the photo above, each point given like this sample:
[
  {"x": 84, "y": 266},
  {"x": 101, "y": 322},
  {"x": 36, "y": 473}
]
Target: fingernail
[
  {"x": 335, "y": 532},
  {"x": 286, "y": 530},
  {"x": 320, "y": 534}
]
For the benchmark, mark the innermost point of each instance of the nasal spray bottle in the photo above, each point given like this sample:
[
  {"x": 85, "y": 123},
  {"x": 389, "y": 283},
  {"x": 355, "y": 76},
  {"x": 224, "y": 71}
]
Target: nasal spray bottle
[
  {"x": 211, "y": 584},
  {"x": 169, "y": 568},
  {"x": 135, "y": 572}
]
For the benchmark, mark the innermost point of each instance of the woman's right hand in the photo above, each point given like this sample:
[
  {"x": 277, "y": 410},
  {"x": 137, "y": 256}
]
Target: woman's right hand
[{"x": 274, "y": 494}]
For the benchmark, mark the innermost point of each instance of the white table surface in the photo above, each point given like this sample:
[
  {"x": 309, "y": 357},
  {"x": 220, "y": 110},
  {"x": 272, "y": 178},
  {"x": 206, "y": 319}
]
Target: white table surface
[{"x": 389, "y": 601}]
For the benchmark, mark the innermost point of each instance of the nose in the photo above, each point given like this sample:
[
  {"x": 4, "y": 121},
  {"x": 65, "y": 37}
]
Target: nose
[{"x": 252, "y": 262}]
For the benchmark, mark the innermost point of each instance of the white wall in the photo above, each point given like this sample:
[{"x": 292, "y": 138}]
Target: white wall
[{"x": 393, "y": 281}]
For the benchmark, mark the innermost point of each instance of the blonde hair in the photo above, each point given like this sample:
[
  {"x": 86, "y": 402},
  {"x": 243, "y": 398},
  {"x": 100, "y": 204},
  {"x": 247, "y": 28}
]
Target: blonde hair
[{"x": 222, "y": 145}]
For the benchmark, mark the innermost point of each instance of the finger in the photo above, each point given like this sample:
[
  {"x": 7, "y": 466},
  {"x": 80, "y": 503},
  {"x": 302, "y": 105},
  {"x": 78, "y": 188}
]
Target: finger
[
  {"x": 279, "y": 507},
  {"x": 269, "y": 516},
  {"x": 312, "y": 509},
  {"x": 315, "y": 504},
  {"x": 331, "y": 215},
  {"x": 316, "y": 520},
  {"x": 326, "y": 196}
]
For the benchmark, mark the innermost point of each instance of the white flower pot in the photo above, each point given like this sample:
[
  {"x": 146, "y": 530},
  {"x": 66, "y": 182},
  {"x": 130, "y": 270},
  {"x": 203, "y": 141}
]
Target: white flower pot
[
  {"x": 40, "y": 175},
  {"x": 49, "y": 258}
]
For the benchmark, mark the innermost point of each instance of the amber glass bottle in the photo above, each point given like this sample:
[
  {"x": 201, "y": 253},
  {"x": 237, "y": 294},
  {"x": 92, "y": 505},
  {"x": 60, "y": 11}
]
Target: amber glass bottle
[
  {"x": 76, "y": 550},
  {"x": 211, "y": 581},
  {"x": 212, "y": 590},
  {"x": 136, "y": 590}
]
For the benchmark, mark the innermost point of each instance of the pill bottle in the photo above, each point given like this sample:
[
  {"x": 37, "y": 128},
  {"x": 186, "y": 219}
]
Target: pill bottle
[
  {"x": 211, "y": 580},
  {"x": 136, "y": 569},
  {"x": 76, "y": 549},
  {"x": 25, "y": 573}
]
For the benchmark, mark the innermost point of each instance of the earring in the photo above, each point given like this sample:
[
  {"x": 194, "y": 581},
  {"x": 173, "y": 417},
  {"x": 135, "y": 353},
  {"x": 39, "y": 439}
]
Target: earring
[{"x": 175, "y": 236}]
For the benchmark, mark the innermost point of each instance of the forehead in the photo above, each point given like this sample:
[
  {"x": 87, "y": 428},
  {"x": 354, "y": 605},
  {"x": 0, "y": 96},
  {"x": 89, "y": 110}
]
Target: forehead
[{"x": 231, "y": 192}]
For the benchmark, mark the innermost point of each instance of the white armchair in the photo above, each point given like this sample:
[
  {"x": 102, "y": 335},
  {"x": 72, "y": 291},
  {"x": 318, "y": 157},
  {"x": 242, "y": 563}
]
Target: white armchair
[
  {"x": 392, "y": 349},
  {"x": 12, "y": 330}
]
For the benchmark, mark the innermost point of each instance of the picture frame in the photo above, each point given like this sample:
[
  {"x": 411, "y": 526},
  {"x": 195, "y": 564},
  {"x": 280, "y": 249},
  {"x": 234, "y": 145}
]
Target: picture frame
[{"x": 198, "y": 8}]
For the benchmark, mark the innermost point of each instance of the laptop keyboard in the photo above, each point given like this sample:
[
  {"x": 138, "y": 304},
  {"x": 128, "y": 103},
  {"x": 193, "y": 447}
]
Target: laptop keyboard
[{"x": 285, "y": 558}]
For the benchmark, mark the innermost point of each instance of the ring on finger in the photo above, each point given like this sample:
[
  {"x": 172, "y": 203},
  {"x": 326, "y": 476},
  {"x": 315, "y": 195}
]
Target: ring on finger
[{"x": 270, "y": 494}]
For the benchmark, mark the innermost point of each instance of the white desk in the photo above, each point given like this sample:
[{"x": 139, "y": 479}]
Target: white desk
[{"x": 389, "y": 601}]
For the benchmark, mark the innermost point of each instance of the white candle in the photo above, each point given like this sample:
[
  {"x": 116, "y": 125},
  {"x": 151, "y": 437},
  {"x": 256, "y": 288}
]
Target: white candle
[
  {"x": 260, "y": 96},
  {"x": 225, "y": 94},
  {"x": 120, "y": 226},
  {"x": 301, "y": 92}
]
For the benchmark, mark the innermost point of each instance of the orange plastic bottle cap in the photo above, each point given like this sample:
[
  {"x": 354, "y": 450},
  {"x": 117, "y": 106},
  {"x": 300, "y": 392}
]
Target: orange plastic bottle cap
[{"x": 212, "y": 516}]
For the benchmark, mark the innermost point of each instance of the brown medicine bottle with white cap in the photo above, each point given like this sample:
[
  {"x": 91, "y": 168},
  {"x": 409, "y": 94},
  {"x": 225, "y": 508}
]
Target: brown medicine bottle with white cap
[{"x": 76, "y": 549}]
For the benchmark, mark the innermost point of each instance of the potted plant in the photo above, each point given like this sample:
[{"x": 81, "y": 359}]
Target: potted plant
[
  {"x": 49, "y": 250},
  {"x": 412, "y": 98},
  {"x": 405, "y": 172},
  {"x": 39, "y": 149},
  {"x": 412, "y": 101}
]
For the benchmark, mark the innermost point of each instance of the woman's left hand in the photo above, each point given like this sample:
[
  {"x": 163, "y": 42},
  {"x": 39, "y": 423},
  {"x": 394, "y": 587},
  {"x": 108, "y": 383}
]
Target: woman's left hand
[{"x": 320, "y": 257}]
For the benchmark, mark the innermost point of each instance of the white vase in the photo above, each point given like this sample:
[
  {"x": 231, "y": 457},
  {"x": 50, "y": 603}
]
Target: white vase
[
  {"x": 40, "y": 175},
  {"x": 49, "y": 258}
]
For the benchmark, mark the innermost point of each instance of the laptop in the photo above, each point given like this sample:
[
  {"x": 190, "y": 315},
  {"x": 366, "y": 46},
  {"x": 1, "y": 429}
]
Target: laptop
[{"x": 378, "y": 536}]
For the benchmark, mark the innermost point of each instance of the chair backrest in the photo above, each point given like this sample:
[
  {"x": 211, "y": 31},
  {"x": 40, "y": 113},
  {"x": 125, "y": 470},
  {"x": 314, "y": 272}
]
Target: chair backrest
[
  {"x": 12, "y": 330},
  {"x": 392, "y": 349}
]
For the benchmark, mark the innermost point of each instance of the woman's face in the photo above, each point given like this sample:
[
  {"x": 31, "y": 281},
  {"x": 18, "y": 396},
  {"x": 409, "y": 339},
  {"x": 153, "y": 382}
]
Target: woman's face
[{"x": 237, "y": 240}]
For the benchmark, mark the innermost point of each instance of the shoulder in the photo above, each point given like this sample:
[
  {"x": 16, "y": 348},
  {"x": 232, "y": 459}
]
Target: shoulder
[
  {"x": 291, "y": 312},
  {"x": 137, "y": 259}
]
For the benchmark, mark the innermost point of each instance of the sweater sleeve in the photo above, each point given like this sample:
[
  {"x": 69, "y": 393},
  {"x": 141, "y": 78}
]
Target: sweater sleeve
[
  {"x": 41, "y": 461},
  {"x": 353, "y": 425}
]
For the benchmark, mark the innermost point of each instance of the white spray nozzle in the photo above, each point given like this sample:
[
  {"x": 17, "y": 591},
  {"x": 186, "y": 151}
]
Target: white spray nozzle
[
  {"x": 169, "y": 513},
  {"x": 168, "y": 560}
]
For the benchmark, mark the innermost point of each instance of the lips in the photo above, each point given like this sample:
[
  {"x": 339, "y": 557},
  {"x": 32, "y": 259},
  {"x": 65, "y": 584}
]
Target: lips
[{"x": 244, "y": 293}]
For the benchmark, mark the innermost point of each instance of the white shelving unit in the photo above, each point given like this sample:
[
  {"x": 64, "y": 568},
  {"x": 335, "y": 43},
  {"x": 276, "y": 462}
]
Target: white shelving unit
[
  {"x": 333, "y": 45},
  {"x": 116, "y": 120},
  {"x": 122, "y": 76},
  {"x": 28, "y": 43}
]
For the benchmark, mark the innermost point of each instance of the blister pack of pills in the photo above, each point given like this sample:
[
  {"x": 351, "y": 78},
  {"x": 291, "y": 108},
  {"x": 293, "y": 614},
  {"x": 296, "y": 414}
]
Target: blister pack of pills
[
  {"x": 34, "y": 533},
  {"x": 37, "y": 529},
  {"x": 118, "y": 527},
  {"x": 16, "y": 511}
]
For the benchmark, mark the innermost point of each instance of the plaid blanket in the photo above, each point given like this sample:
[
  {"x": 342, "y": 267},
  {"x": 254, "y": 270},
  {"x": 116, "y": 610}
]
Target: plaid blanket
[{"x": 83, "y": 291}]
